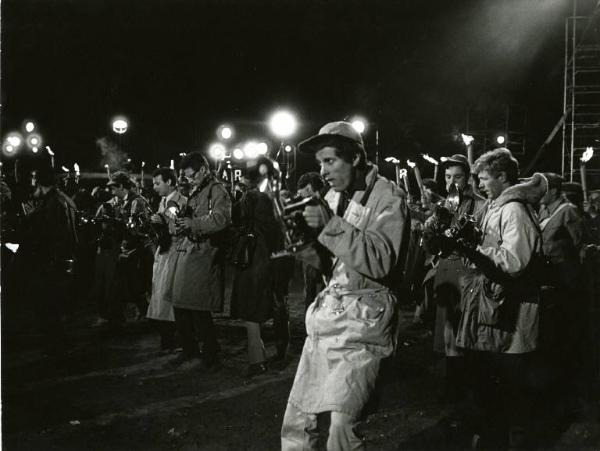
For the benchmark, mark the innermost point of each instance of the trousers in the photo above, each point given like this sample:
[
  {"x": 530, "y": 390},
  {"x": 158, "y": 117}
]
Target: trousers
[{"x": 300, "y": 431}]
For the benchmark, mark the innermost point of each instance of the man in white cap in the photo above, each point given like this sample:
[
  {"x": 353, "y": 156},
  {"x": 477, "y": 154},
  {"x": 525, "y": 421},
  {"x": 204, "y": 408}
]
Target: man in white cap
[{"x": 349, "y": 325}]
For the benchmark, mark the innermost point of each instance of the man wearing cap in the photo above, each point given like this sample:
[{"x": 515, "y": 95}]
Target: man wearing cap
[
  {"x": 446, "y": 283},
  {"x": 349, "y": 325}
]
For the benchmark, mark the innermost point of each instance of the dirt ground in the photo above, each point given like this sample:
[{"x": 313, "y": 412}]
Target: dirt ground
[{"x": 113, "y": 392}]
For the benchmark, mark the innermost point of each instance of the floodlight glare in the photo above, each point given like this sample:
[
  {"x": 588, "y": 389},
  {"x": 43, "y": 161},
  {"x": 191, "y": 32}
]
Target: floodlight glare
[
  {"x": 29, "y": 127},
  {"x": 288, "y": 148},
  {"x": 500, "y": 139},
  {"x": 216, "y": 151},
  {"x": 251, "y": 150},
  {"x": 262, "y": 148},
  {"x": 238, "y": 153},
  {"x": 9, "y": 148},
  {"x": 120, "y": 125},
  {"x": 358, "y": 125},
  {"x": 283, "y": 124},
  {"x": 34, "y": 149},
  {"x": 225, "y": 132},
  {"x": 14, "y": 140}
]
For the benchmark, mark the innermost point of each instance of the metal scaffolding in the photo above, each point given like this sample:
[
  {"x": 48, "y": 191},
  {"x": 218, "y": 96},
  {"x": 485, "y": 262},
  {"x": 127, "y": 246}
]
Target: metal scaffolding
[{"x": 581, "y": 100}]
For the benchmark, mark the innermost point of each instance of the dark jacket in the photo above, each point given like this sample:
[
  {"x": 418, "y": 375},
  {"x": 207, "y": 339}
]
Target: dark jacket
[{"x": 254, "y": 287}]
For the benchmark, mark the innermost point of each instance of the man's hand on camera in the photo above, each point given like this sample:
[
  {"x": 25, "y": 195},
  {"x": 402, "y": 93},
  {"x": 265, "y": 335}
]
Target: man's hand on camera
[
  {"x": 183, "y": 225},
  {"x": 315, "y": 216}
]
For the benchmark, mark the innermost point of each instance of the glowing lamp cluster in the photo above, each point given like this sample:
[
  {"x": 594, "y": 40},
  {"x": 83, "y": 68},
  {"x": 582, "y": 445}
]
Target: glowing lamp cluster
[{"x": 467, "y": 139}]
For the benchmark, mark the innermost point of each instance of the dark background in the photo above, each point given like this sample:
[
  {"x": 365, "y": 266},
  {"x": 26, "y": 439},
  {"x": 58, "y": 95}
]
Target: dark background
[{"x": 177, "y": 69}]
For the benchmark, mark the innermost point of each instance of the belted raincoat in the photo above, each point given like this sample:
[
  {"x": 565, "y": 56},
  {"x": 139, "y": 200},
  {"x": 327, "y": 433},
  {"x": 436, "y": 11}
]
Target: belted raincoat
[
  {"x": 198, "y": 282},
  {"x": 349, "y": 325}
]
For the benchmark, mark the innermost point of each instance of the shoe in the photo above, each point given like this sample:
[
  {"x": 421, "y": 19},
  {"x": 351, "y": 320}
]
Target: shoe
[{"x": 256, "y": 369}]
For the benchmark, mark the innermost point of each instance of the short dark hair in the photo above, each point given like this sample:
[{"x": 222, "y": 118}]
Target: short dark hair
[
  {"x": 313, "y": 179},
  {"x": 347, "y": 149},
  {"x": 194, "y": 160},
  {"x": 497, "y": 161},
  {"x": 554, "y": 180},
  {"x": 167, "y": 174}
]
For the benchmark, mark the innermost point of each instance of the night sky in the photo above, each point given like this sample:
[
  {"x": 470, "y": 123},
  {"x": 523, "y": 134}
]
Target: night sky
[{"x": 177, "y": 69}]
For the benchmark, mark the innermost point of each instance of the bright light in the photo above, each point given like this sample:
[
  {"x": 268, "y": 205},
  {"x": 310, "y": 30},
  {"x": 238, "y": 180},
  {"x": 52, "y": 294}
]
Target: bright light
[
  {"x": 225, "y": 132},
  {"x": 34, "y": 141},
  {"x": 9, "y": 148},
  {"x": 216, "y": 151},
  {"x": 35, "y": 149},
  {"x": 359, "y": 125},
  {"x": 262, "y": 148},
  {"x": 251, "y": 150},
  {"x": 76, "y": 167},
  {"x": 14, "y": 140},
  {"x": 500, "y": 139},
  {"x": 430, "y": 159},
  {"x": 120, "y": 125},
  {"x": 238, "y": 153},
  {"x": 410, "y": 163},
  {"x": 65, "y": 169},
  {"x": 29, "y": 127},
  {"x": 392, "y": 160},
  {"x": 443, "y": 159},
  {"x": 283, "y": 124},
  {"x": 587, "y": 155},
  {"x": 49, "y": 150},
  {"x": 288, "y": 148},
  {"x": 467, "y": 139},
  {"x": 172, "y": 166},
  {"x": 143, "y": 163}
]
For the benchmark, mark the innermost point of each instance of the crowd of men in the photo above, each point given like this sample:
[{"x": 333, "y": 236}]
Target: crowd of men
[{"x": 499, "y": 269}]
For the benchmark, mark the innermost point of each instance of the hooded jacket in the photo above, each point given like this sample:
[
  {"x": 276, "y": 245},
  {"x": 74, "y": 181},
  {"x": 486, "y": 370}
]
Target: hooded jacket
[{"x": 499, "y": 296}]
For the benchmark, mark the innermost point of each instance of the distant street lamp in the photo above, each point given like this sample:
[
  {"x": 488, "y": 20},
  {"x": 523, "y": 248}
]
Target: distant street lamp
[
  {"x": 216, "y": 151},
  {"x": 359, "y": 125},
  {"x": 29, "y": 126},
  {"x": 120, "y": 125},
  {"x": 238, "y": 153},
  {"x": 500, "y": 139},
  {"x": 225, "y": 132}
]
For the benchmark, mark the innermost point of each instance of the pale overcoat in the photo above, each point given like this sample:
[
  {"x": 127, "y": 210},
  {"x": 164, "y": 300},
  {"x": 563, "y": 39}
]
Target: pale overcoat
[
  {"x": 198, "y": 282},
  {"x": 163, "y": 270},
  {"x": 350, "y": 323}
]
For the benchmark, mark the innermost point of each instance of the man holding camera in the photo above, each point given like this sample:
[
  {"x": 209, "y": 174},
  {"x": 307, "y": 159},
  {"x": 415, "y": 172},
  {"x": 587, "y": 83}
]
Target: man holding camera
[
  {"x": 198, "y": 284},
  {"x": 447, "y": 273},
  {"x": 499, "y": 322},
  {"x": 160, "y": 308},
  {"x": 350, "y": 323}
]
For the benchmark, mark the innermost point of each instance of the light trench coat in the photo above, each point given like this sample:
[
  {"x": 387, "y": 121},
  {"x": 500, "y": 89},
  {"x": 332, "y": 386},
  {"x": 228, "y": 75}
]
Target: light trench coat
[
  {"x": 160, "y": 306},
  {"x": 199, "y": 283},
  {"x": 350, "y": 323},
  {"x": 502, "y": 321}
]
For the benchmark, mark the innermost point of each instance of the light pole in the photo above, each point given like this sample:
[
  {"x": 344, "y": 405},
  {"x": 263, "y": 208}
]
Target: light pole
[{"x": 283, "y": 124}]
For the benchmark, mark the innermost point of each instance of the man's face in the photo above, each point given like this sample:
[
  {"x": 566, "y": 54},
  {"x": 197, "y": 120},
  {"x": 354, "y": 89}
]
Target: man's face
[
  {"x": 118, "y": 191},
  {"x": 161, "y": 187},
  {"x": 338, "y": 173},
  {"x": 456, "y": 175},
  {"x": 550, "y": 196},
  {"x": 491, "y": 186},
  {"x": 195, "y": 178},
  {"x": 307, "y": 191},
  {"x": 594, "y": 199}
]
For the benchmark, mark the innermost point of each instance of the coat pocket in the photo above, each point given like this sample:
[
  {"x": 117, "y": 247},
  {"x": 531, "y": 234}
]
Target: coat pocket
[{"x": 491, "y": 299}]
